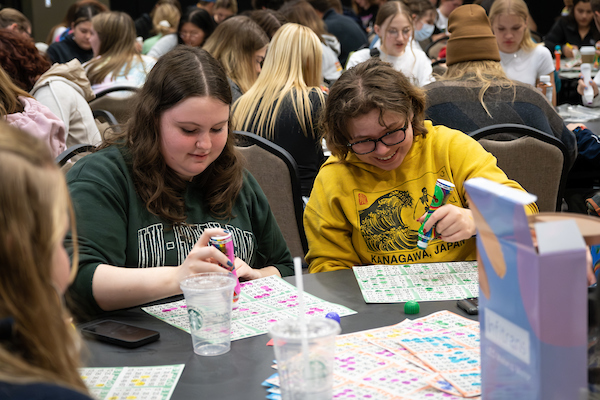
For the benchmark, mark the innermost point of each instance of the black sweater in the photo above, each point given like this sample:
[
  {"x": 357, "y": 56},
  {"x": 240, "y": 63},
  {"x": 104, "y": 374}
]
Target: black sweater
[{"x": 66, "y": 50}]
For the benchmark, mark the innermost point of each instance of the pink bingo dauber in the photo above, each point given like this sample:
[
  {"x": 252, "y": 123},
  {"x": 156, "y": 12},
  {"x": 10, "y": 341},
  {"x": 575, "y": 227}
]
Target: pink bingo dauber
[{"x": 225, "y": 245}]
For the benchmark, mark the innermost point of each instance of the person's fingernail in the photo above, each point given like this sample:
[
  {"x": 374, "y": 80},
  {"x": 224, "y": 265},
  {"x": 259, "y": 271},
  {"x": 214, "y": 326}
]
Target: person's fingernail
[{"x": 229, "y": 263}]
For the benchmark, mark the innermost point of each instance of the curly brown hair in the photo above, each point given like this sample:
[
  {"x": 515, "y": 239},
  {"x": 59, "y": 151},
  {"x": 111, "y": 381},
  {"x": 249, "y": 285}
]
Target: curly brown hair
[
  {"x": 373, "y": 84},
  {"x": 181, "y": 73},
  {"x": 21, "y": 59}
]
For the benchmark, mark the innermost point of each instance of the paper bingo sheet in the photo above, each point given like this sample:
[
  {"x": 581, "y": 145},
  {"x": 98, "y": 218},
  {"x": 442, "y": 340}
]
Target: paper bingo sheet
[
  {"x": 262, "y": 302},
  {"x": 148, "y": 383},
  {"x": 419, "y": 282},
  {"x": 434, "y": 357}
]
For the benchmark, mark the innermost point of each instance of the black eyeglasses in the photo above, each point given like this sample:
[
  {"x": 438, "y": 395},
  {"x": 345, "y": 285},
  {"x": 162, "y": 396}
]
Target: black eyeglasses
[{"x": 389, "y": 139}]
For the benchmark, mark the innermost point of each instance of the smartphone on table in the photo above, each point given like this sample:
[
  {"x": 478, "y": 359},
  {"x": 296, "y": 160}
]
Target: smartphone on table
[
  {"x": 120, "y": 334},
  {"x": 470, "y": 305}
]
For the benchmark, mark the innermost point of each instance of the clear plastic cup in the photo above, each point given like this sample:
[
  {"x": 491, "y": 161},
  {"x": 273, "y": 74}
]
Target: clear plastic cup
[
  {"x": 310, "y": 376},
  {"x": 208, "y": 297}
]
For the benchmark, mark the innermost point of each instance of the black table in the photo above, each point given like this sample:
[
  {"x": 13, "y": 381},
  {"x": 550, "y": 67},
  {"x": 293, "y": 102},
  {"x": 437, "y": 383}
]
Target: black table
[{"x": 239, "y": 373}]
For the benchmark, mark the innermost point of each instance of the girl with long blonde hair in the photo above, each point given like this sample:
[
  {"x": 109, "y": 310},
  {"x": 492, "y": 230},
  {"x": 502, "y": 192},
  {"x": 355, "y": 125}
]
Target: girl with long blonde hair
[
  {"x": 284, "y": 103},
  {"x": 116, "y": 62},
  {"x": 522, "y": 59},
  {"x": 39, "y": 348}
]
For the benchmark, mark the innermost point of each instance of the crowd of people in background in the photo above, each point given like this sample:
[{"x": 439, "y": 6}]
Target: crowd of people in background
[{"x": 355, "y": 79}]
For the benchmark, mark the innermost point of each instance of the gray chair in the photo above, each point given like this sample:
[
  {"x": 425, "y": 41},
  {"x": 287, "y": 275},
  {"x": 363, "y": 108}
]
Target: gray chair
[
  {"x": 105, "y": 121},
  {"x": 531, "y": 157},
  {"x": 277, "y": 174},
  {"x": 119, "y": 107}
]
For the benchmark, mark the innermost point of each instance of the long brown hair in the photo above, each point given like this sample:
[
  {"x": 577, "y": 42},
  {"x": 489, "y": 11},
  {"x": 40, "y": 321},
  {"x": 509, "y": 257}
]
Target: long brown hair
[
  {"x": 42, "y": 345},
  {"x": 117, "y": 52},
  {"x": 301, "y": 12},
  {"x": 269, "y": 20},
  {"x": 234, "y": 43},
  {"x": 370, "y": 85},
  {"x": 181, "y": 73}
]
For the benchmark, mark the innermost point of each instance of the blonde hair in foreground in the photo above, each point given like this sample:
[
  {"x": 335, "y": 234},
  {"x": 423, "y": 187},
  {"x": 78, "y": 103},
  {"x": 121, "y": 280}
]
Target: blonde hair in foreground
[
  {"x": 35, "y": 204},
  {"x": 518, "y": 8},
  {"x": 292, "y": 66}
]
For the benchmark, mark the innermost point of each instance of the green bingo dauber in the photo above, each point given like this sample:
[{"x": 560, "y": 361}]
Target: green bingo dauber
[{"x": 440, "y": 197}]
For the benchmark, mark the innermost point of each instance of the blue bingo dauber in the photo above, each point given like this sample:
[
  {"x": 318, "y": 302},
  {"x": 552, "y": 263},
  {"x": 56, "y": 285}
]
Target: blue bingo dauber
[{"x": 334, "y": 316}]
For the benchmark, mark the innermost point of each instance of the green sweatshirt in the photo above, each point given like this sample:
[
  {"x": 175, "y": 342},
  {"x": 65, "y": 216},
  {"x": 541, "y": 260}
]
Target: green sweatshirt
[{"x": 115, "y": 228}]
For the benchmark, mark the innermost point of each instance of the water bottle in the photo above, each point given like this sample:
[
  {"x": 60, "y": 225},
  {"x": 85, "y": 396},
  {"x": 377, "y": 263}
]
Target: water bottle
[
  {"x": 588, "y": 92},
  {"x": 557, "y": 54}
]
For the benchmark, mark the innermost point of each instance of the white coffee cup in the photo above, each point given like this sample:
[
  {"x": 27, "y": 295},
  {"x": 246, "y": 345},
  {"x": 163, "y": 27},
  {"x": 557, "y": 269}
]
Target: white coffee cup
[{"x": 587, "y": 54}]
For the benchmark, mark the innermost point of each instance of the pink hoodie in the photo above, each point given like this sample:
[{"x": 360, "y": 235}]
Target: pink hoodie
[{"x": 38, "y": 120}]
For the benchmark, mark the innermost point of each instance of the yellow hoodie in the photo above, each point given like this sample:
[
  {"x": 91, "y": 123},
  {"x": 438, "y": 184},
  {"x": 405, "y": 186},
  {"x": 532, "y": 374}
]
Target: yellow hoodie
[{"x": 360, "y": 214}]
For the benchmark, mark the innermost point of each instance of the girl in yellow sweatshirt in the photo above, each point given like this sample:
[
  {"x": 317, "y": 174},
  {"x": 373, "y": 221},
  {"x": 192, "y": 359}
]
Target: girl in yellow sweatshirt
[{"x": 370, "y": 197}]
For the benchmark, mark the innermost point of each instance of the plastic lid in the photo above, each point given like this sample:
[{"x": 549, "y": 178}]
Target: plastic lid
[
  {"x": 411, "y": 307},
  {"x": 557, "y": 47},
  {"x": 545, "y": 78},
  {"x": 587, "y": 50}
]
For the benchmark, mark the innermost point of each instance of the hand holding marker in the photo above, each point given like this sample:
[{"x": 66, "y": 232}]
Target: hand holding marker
[
  {"x": 225, "y": 245},
  {"x": 440, "y": 197}
]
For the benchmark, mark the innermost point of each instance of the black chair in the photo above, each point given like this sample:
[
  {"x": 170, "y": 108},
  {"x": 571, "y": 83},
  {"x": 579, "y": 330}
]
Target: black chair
[
  {"x": 531, "y": 157},
  {"x": 439, "y": 67},
  {"x": 105, "y": 116},
  {"x": 433, "y": 49},
  {"x": 105, "y": 120},
  {"x": 277, "y": 174},
  {"x": 68, "y": 154},
  {"x": 119, "y": 107}
]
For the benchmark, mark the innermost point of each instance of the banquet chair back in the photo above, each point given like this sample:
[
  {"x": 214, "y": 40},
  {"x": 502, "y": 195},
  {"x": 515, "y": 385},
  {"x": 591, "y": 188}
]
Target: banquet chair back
[
  {"x": 119, "y": 107},
  {"x": 277, "y": 174},
  {"x": 533, "y": 158},
  {"x": 67, "y": 158}
]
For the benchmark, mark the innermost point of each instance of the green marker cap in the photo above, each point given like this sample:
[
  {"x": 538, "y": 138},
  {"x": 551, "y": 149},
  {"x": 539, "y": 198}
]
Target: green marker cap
[{"x": 411, "y": 307}]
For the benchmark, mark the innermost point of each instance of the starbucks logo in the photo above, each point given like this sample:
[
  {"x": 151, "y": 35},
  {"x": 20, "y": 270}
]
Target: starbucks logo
[{"x": 195, "y": 319}]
